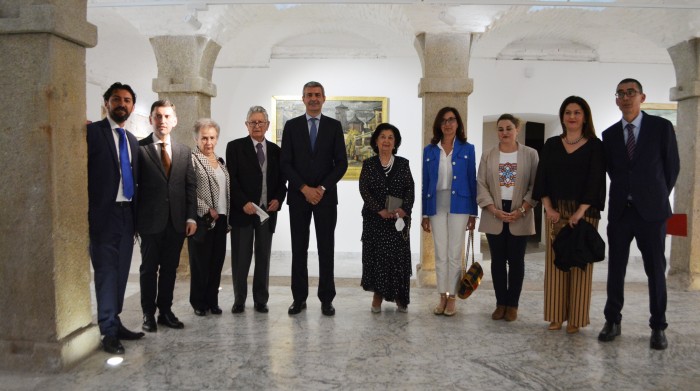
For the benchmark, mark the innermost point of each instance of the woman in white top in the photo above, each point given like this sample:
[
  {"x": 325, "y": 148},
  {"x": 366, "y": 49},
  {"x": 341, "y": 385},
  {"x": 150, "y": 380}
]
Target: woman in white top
[{"x": 505, "y": 180}]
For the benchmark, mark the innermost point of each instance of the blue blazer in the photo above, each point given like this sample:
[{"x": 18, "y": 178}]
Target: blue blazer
[
  {"x": 463, "y": 200},
  {"x": 651, "y": 173}
]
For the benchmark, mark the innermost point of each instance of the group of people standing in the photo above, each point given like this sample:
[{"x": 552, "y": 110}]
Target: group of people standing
[
  {"x": 639, "y": 153},
  {"x": 163, "y": 192}
]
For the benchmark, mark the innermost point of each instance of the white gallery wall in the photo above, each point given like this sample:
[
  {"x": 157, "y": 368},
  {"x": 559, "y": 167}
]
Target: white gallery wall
[{"x": 524, "y": 88}]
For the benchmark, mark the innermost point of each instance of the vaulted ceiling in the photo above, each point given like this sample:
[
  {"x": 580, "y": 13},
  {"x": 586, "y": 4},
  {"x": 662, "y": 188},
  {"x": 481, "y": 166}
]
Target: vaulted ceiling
[{"x": 251, "y": 33}]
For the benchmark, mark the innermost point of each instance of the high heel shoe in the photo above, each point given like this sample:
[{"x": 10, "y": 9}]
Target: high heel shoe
[
  {"x": 376, "y": 304},
  {"x": 451, "y": 307},
  {"x": 440, "y": 308},
  {"x": 554, "y": 326},
  {"x": 571, "y": 329}
]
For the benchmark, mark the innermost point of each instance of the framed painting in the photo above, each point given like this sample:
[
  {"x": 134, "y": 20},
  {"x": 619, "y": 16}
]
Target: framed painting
[
  {"x": 666, "y": 110},
  {"x": 359, "y": 116}
]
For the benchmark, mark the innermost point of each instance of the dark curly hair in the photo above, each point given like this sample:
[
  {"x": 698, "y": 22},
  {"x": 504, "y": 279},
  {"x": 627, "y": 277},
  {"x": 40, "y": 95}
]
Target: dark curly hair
[{"x": 378, "y": 131}]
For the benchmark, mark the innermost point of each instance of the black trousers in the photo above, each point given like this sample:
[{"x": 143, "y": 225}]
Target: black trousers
[
  {"x": 651, "y": 241},
  {"x": 110, "y": 254},
  {"x": 206, "y": 262},
  {"x": 325, "y": 217},
  {"x": 160, "y": 257},
  {"x": 507, "y": 264},
  {"x": 243, "y": 241}
]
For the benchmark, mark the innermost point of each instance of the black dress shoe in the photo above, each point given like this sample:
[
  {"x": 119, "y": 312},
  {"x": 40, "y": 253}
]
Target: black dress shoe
[
  {"x": 262, "y": 308},
  {"x": 127, "y": 335},
  {"x": 149, "y": 323},
  {"x": 170, "y": 320},
  {"x": 111, "y": 344},
  {"x": 296, "y": 307},
  {"x": 658, "y": 340},
  {"x": 327, "y": 309},
  {"x": 200, "y": 312},
  {"x": 237, "y": 308},
  {"x": 216, "y": 310},
  {"x": 609, "y": 332}
]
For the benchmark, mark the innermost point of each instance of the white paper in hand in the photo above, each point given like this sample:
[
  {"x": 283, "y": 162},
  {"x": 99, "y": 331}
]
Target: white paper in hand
[{"x": 261, "y": 213}]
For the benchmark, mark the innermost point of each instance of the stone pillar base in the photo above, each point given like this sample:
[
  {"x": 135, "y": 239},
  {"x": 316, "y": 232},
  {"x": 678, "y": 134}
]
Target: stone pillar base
[
  {"x": 49, "y": 356},
  {"x": 425, "y": 277}
]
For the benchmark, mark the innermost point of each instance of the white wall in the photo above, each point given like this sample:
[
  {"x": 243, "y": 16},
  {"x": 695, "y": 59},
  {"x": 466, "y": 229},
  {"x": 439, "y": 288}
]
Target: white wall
[{"x": 397, "y": 79}]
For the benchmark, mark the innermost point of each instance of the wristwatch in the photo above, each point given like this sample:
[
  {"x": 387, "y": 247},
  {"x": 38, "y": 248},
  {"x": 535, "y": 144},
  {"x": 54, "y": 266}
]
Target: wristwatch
[{"x": 522, "y": 210}]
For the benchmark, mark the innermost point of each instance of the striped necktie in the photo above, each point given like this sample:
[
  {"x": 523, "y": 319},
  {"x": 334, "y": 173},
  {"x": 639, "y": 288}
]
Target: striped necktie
[{"x": 631, "y": 142}]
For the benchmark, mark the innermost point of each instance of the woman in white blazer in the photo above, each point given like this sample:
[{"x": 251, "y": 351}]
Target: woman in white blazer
[{"x": 505, "y": 180}]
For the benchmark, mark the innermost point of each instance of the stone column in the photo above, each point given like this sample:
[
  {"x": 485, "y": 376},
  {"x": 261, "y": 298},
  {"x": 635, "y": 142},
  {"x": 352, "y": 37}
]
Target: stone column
[
  {"x": 445, "y": 82},
  {"x": 685, "y": 251},
  {"x": 185, "y": 65},
  {"x": 45, "y": 315}
]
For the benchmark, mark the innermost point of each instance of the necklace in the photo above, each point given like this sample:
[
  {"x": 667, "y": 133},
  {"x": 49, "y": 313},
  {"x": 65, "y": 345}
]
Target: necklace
[
  {"x": 388, "y": 166},
  {"x": 566, "y": 140}
]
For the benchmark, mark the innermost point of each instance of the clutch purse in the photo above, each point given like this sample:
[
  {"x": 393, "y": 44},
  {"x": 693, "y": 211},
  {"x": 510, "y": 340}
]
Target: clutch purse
[
  {"x": 471, "y": 278},
  {"x": 204, "y": 224},
  {"x": 392, "y": 203}
]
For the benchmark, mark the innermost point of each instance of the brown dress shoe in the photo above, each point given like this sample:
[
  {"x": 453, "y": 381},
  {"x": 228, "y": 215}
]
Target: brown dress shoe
[
  {"x": 499, "y": 312},
  {"x": 555, "y": 326},
  {"x": 511, "y": 314},
  {"x": 571, "y": 329}
]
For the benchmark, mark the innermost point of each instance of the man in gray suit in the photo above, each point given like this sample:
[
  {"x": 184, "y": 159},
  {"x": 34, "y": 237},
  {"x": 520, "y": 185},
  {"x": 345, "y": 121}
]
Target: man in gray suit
[{"x": 166, "y": 213}]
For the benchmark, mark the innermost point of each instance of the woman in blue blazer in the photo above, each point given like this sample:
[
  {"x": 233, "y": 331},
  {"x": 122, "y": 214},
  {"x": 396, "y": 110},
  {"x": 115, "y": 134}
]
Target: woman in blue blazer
[{"x": 449, "y": 201}]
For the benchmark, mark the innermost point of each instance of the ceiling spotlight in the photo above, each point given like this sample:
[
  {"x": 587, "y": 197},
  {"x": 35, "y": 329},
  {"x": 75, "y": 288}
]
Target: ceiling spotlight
[{"x": 192, "y": 20}]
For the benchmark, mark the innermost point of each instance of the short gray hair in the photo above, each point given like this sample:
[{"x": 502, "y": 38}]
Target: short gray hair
[
  {"x": 204, "y": 123},
  {"x": 257, "y": 109},
  {"x": 313, "y": 84}
]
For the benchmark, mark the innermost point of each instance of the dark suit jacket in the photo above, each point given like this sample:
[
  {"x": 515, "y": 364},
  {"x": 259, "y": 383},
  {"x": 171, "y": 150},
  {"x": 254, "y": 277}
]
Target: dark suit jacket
[
  {"x": 161, "y": 197},
  {"x": 649, "y": 176},
  {"x": 104, "y": 173},
  {"x": 323, "y": 167},
  {"x": 246, "y": 179}
]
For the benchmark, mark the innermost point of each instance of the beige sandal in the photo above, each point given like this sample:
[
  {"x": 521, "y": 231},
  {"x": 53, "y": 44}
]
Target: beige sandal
[
  {"x": 451, "y": 307},
  {"x": 440, "y": 308}
]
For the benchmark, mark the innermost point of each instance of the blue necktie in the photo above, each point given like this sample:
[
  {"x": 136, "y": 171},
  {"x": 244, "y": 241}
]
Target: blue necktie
[
  {"x": 313, "y": 133},
  {"x": 127, "y": 176}
]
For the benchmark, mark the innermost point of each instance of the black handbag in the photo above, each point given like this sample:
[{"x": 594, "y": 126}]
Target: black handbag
[{"x": 206, "y": 222}]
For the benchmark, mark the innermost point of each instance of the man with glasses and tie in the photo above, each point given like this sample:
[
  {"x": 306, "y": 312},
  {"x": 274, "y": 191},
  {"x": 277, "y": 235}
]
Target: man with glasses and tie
[
  {"x": 166, "y": 212},
  {"x": 112, "y": 166},
  {"x": 313, "y": 161},
  {"x": 256, "y": 184},
  {"x": 641, "y": 156}
]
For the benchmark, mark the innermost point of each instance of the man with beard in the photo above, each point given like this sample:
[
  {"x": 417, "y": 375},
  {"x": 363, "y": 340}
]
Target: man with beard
[
  {"x": 166, "y": 212},
  {"x": 112, "y": 165},
  {"x": 313, "y": 160}
]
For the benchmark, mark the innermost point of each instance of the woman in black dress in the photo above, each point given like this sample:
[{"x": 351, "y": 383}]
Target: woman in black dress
[
  {"x": 386, "y": 249},
  {"x": 570, "y": 183}
]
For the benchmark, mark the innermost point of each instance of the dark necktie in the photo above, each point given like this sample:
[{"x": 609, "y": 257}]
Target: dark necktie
[
  {"x": 313, "y": 133},
  {"x": 631, "y": 143},
  {"x": 261, "y": 154},
  {"x": 165, "y": 158},
  {"x": 125, "y": 164}
]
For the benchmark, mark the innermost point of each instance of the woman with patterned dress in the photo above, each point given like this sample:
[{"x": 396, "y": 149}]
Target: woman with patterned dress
[
  {"x": 386, "y": 248},
  {"x": 570, "y": 183},
  {"x": 505, "y": 179}
]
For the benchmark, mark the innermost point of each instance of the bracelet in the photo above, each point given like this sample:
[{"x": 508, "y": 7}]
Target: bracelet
[{"x": 522, "y": 210}]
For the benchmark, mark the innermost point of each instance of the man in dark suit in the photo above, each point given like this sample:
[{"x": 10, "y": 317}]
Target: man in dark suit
[
  {"x": 166, "y": 212},
  {"x": 112, "y": 166},
  {"x": 256, "y": 180},
  {"x": 313, "y": 161},
  {"x": 641, "y": 155}
]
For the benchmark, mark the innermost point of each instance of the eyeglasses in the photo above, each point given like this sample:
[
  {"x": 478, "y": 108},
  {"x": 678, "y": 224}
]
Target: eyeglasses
[
  {"x": 631, "y": 93},
  {"x": 448, "y": 121},
  {"x": 257, "y": 124}
]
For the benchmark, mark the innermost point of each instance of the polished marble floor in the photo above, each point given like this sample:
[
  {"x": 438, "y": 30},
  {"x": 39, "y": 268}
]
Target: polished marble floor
[{"x": 359, "y": 350}]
